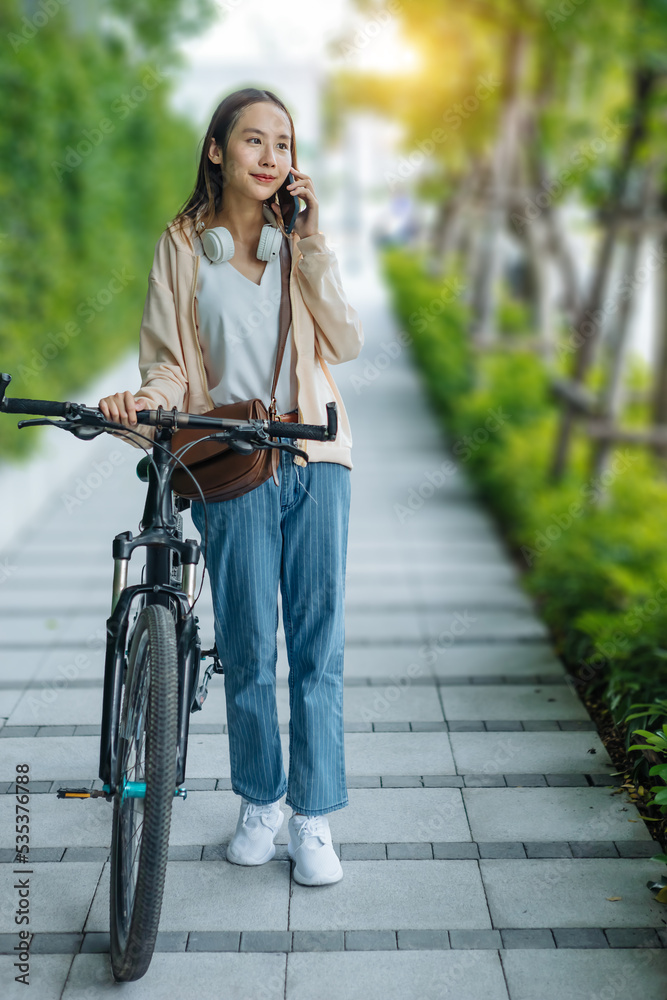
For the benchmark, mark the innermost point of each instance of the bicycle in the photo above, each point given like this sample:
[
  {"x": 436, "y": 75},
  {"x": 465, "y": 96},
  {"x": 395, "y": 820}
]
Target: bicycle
[{"x": 153, "y": 658}]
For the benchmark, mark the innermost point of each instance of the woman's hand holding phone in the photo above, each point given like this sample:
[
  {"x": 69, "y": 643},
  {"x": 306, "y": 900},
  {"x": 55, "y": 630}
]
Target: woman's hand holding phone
[{"x": 300, "y": 185}]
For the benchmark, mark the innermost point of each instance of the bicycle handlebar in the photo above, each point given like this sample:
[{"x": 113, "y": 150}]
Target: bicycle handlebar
[
  {"x": 175, "y": 419},
  {"x": 40, "y": 407}
]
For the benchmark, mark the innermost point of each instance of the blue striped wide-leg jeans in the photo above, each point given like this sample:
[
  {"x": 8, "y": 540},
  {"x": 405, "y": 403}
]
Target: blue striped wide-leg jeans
[{"x": 293, "y": 536}]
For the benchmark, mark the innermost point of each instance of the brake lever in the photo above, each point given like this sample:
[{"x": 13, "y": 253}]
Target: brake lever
[
  {"x": 240, "y": 446},
  {"x": 290, "y": 447},
  {"x": 41, "y": 421},
  {"x": 82, "y": 431}
]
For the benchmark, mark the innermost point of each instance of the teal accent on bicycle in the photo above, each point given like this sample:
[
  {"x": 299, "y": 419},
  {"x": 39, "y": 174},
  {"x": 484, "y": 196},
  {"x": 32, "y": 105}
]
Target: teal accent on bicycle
[
  {"x": 137, "y": 790},
  {"x": 134, "y": 790}
]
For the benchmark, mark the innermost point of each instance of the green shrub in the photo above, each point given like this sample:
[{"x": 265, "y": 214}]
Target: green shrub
[{"x": 594, "y": 548}]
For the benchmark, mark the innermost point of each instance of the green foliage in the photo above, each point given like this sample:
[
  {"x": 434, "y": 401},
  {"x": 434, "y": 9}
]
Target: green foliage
[
  {"x": 432, "y": 313},
  {"x": 590, "y": 544},
  {"x": 93, "y": 164}
]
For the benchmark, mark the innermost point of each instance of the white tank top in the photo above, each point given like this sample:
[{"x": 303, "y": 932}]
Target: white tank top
[{"x": 238, "y": 324}]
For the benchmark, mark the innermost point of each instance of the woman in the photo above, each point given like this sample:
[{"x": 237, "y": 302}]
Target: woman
[{"x": 209, "y": 336}]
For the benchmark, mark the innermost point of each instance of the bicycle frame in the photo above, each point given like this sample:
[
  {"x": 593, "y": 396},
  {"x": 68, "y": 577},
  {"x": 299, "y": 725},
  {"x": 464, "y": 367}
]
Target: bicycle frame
[{"x": 159, "y": 535}]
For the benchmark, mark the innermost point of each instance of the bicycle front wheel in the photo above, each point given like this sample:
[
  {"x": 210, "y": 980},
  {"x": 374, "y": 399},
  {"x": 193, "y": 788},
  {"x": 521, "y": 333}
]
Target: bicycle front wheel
[{"x": 145, "y": 792}]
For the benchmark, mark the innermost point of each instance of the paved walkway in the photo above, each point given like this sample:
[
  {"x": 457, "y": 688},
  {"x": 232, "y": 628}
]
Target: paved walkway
[{"x": 485, "y": 848}]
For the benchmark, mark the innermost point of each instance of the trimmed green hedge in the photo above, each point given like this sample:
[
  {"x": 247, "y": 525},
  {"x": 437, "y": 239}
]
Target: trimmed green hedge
[
  {"x": 594, "y": 550},
  {"x": 93, "y": 164}
]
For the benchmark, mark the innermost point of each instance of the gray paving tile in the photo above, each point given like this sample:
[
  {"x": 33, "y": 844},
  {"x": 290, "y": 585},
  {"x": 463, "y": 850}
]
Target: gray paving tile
[
  {"x": 534, "y": 937},
  {"x": 74, "y": 823},
  {"x": 398, "y": 753},
  {"x": 638, "y": 848},
  {"x": 400, "y": 781},
  {"x": 547, "y": 849},
  {"x": 85, "y": 854},
  {"x": 503, "y": 726},
  {"x": 607, "y": 972},
  {"x": 214, "y": 941},
  {"x": 390, "y": 894},
  {"x": 169, "y": 941},
  {"x": 47, "y": 976},
  {"x": 243, "y": 975},
  {"x": 10, "y": 696},
  {"x": 69, "y": 758},
  {"x": 426, "y": 940},
  {"x": 396, "y": 702},
  {"x": 487, "y": 625},
  {"x": 525, "y": 780},
  {"x": 442, "y": 780},
  {"x": 384, "y": 660},
  {"x": 633, "y": 937},
  {"x": 475, "y": 939},
  {"x": 580, "y": 937},
  {"x": 515, "y": 701},
  {"x": 491, "y": 849},
  {"x": 372, "y": 626},
  {"x": 566, "y": 780},
  {"x": 185, "y": 852},
  {"x": 605, "y": 780},
  {"x": 412, "y": 852},
  {"x": 212, "y": 896},
  {"x": 318, "y": 941},
  {"x": 370, "y": 940},
  {"x": 66, "y": 705},
  {"x": 38, "y": 855},
  {"x": 52, "y": 944},
  {"x": 60, "y": 897},
  {"x": 363, "y": 852},
  {"x": 593, "y": 849},
  {"x": 484, "y": 780},
  {"x": 350, "y": 975},
  {"x": 96, "y": 943},
  {"x": 551, "y": 814},
  {"x": 570, "y": 892},
  {"x": 442, "y": 850},
  {"x": 476, "y": 596},
  {"x": 266, "y": 941},
  {"x": 403, "y": 815},
  {"x": 494, "y": 659}
]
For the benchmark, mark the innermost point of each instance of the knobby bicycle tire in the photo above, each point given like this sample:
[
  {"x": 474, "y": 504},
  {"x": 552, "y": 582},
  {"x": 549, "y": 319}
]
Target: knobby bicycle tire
[{"x": 147, "y": 753}]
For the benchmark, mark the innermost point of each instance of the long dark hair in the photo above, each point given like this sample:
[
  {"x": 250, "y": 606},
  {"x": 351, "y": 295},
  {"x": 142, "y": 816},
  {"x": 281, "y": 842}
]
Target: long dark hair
[{"x": 206, "y": 199}]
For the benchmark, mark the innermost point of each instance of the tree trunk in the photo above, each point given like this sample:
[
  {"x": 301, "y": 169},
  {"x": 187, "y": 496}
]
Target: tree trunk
[
  {"x": 616, "y": 343},
  {"x": 487, "y": 271},
  {"x": 584, "y": 343},
  {"x": 660, "y": 390}
]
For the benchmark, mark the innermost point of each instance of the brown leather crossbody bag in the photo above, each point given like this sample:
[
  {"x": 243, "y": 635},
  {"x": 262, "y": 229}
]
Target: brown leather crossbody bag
[{"x": 221, "y": 472}]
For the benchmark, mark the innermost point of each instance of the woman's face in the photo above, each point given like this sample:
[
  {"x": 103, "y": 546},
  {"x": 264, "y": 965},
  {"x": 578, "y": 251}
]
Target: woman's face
[{"x": 260, "y": 143}]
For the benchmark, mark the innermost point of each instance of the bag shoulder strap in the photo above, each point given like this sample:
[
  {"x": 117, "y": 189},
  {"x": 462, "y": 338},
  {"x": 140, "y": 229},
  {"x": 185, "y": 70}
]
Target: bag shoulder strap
[{"x": 285, "y": 319}]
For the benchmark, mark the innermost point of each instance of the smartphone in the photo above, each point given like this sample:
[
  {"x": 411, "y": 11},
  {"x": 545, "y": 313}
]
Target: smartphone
[{"x": 289, "y": 203}]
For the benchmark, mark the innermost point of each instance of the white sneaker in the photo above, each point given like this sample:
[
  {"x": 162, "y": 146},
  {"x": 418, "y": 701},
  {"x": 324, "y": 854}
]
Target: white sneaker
[
  {"x": 310, "y": 847},
  {"x": 257, "y": 826}
]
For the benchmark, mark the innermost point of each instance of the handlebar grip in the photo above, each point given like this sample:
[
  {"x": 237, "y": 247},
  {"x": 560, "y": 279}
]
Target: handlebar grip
[
  {"x": 35, "y": 407},
  {"x": 283, "y": 428}
]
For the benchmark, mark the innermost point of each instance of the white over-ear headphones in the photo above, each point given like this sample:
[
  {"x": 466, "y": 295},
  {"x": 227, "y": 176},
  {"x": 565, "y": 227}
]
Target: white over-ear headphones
[{"x": 219, "y": 245}]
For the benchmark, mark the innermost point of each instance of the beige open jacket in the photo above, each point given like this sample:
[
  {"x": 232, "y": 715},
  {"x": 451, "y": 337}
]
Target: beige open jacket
[{"x": 326, "y": 329}]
